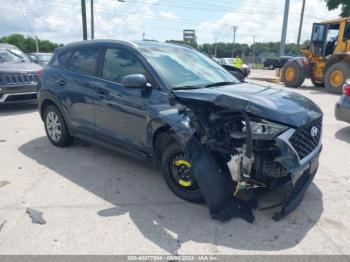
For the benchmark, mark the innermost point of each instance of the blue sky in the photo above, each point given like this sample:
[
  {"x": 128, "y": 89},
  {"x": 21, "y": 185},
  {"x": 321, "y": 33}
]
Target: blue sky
[{"x": 60, "y": 20}]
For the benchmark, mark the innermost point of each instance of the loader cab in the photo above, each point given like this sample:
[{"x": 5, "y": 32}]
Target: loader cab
[
  {"x": 324, "y": 38},
  {"x": 330, "y": 37}
]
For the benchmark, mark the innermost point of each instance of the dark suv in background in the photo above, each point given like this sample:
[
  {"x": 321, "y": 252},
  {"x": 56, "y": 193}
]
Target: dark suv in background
[
  {"x": 213, "y": 136},
  {"x": 18, "y": 76}
]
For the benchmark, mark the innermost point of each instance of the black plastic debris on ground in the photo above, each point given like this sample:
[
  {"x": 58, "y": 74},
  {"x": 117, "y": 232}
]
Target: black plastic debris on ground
[
  {"x": 215, "y": 184},
  {"x": 2, "y": 225},
  {"x": 36, "y": 216}
]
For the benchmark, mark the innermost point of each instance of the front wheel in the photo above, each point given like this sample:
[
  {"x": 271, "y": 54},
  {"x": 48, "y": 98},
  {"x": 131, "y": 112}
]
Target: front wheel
[
  {"x": 292, "y": 76},
  {"x": 178, "y": 175},
  {"x": 56, "y": 128}
]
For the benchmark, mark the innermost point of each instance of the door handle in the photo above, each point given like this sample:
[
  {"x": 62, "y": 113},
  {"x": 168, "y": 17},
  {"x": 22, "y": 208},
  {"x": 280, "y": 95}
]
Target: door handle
[
  {"x": 102, "y": 93},
  {"x": 61, "y": 82}
]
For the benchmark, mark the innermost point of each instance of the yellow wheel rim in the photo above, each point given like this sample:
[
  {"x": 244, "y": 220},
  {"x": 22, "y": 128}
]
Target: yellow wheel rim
[
  {"x": 182, "y": 162},
  {"x": 290, "y": 74},
  {"x": 337, "y": 78}
]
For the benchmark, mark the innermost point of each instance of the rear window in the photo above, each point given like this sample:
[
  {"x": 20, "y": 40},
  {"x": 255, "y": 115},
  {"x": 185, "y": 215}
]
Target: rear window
[
  {"x": 61, "y": 59},
  {"x": 84, "y": 61}
]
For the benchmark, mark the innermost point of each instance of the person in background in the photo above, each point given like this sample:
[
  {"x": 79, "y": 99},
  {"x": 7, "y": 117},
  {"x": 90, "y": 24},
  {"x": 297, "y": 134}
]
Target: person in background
[{"x": 238, "y": 62}]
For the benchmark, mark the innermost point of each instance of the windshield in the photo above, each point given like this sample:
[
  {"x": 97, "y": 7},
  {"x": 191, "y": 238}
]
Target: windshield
[
  {"x": 183, "y": 67},
  {"x": 12, "y": 55},
  {"x": 44, "y": 58}
]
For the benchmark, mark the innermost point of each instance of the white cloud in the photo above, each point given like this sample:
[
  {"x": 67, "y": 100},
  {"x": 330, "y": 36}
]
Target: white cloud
[
  {"x": 264, "y": 19},
  {"x": 168, "y": 15}
]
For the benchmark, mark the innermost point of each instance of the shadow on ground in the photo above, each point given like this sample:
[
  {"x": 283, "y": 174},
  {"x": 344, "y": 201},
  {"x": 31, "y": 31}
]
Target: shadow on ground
[
  {"x": 343, "y": 134},
  {"x": 137, "y": 189},
  {"x": 317, "y": 90},
  {"x": 17, "y": 109}
]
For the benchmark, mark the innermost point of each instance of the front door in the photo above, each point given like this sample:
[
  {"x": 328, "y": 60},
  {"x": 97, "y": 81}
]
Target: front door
[{"x": 121, "y": 112}]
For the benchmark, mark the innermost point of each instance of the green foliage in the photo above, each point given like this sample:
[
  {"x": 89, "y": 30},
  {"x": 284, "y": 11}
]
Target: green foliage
[
  {"x": 265, "y": 50},
  {"x": 27, "y": 44},
  {"x": 345, "y": 6}
]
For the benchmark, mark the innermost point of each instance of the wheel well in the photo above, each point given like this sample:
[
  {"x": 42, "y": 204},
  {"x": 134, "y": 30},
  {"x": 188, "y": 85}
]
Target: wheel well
[
  {"x": 44, "y": 105},
  {"x": 161, "y": 138},
  {"x": 335, "y": 59}
]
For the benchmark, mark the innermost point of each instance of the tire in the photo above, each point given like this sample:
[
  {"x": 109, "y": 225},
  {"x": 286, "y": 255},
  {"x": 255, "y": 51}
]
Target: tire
[
  {"x": 316, "y": 84},
  {"x": 56, "y": 128},
  {"x": 271, "y": 67},
  {"x": 189, "y": 192},
  {"x": 292, "y": 76},
  {"x": 336, "y": 76}
]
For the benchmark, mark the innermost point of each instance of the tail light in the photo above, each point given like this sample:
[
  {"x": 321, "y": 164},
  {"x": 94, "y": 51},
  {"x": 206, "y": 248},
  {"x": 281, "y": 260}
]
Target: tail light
[{"x": 346, "y": 88}]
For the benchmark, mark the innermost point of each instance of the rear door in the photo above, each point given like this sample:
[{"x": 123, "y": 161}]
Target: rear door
[{"x": 76, "y": 83}]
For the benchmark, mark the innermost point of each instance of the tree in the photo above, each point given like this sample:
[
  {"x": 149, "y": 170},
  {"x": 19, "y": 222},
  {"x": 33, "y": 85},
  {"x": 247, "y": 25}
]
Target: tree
[
  {"x": 345, "y": 6},
  {"x": 27, "y": 44}
]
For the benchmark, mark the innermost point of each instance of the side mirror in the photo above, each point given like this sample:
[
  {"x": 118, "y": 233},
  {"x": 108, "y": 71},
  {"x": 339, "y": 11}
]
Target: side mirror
[{"x": 134, "y": 81}]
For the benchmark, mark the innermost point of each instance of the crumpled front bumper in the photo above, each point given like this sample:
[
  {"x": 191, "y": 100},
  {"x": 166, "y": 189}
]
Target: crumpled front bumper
[{"x": 302, "y": 172}]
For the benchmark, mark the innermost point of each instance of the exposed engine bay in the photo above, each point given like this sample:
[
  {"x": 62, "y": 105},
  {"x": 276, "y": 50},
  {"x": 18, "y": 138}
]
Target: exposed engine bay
[{"x": 234, "y": 155}]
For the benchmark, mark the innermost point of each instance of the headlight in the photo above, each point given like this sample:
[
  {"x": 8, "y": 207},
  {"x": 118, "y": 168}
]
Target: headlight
[{"x": 265, "y": 129}]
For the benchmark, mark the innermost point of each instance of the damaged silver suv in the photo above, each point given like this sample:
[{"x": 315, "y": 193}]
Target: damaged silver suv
[{"x": 216, "y": 139}]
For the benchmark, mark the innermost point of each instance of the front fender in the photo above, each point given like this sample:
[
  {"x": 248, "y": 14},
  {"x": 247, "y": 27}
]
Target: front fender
[
  {"x": 167, "y": 116},
  {"x": 304, "y": 65}
]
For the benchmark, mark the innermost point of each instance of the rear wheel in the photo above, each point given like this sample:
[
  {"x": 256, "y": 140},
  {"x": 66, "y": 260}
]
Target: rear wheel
[
  {"x": 178, "y": 175},
  {"x": 336, "y": 76},
  {"x": 292, "y": 76},
  {"x": 271, "y": 67},
  {"x": 56, "y": 128}
]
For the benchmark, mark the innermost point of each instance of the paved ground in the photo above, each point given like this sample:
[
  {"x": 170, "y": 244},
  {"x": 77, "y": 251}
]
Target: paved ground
[{"x": 100, "y": 202}]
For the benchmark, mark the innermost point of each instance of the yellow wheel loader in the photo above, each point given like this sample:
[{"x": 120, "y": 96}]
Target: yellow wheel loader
[{"x": 326, "y": 60}]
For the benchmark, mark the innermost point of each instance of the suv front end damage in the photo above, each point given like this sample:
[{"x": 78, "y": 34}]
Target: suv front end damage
[{"x": 236, "y": 148}]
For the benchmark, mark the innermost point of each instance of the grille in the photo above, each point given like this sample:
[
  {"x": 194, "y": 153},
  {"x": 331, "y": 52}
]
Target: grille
[
  {"x": 302, "y": 140},
  {"x": 20, "y": 79}
]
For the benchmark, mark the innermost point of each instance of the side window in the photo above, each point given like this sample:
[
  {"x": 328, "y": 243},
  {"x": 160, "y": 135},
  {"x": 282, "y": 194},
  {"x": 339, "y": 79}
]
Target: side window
[
  {"x": 119, "y": 63},
  {"x": 60, "y": 60},
  {"x": 84, "y": 61},
  {"x": 347, "y": 32}
]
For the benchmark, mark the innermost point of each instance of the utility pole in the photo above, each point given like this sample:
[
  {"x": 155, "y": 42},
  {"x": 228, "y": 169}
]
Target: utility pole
[
  {"x": 36, "y": 44},
  {"x": 216, "y": 47},
  {"x": 284, "y": 28},
  {"x": 234, "y": 29},
  {"x": 301, "y": 21},
  {"x": 83, "y": 17},
  {"x": 92, "y": 19},
  {"x": 254, "y": 51}
]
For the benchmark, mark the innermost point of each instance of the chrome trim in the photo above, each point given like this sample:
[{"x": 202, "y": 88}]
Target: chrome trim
[
  {"x": 5, "y": 96},
  {"x": 287, "y": 135}
]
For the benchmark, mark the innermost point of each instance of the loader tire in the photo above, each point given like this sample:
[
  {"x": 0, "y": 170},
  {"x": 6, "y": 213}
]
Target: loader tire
[
  {"x": 336, "y": 76},
  {"x": 292, "y": 76}
]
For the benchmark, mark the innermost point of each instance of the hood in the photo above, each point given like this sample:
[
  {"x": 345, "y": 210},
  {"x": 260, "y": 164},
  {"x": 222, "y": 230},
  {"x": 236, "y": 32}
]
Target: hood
[
  {"x": 269, "y": 103},
  {"x": 19, "y": 67}
]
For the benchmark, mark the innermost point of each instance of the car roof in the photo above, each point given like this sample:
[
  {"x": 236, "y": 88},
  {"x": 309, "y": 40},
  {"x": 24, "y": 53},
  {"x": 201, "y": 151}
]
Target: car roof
[{"x": 132, "y": 44}]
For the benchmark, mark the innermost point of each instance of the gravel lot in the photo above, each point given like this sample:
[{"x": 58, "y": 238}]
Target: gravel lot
[{"x": 96, "y": 201}]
